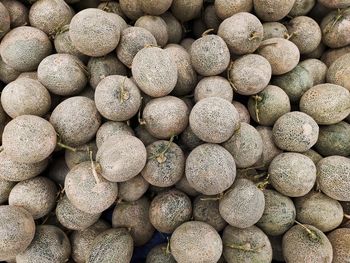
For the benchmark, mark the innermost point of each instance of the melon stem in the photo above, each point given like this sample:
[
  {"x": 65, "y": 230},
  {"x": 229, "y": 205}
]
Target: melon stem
[
  {"x": 139, "y": 117},
  {"x": 257, "y": 99},
  {"x": 160, "y": 156},
  {"x": 312, "y": 235},
  {"x": 206, "y": 32},
  {"x": 214, "y": 198},
  {"x": 253, "y": 36},
  {"x": 262, "y": 185},
  {"x": 229, "y": 76},
  {"x": 93, "y": 168},
  {"x": 123, "y": 95},
  {"x": 64, "y": 146},
  {"x": 245, "y": 247}
]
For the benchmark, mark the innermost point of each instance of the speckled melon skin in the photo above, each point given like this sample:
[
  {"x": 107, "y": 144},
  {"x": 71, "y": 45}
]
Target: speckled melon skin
[
  {"x": 268, "y": 105},
  {"x": 295, "y": 131},
  {"x": 187, "y": 77},
  {"x": 331, "y": 55},
  {"x": 101, "y": 67},
  {"x": 295, "y": 83},
  {"x": 165, "y": 117},
  {"x": 82, "y": 241},
  {"x": 298, "y": 246},
  {"x": 112, "y": 128},
  {"x": 104, "y": 32},
  {"x": 305, "y": 33},
  {"x": 62, "y": 74},
  {"x": 49, "y": 16},
  {"x": 250, "y": 74},
  {"x": 18, "y": 229},
  {"x": 18, "y": 12},
  {"x": 270, "y": 10},
  {"x": 243, "y": 205},
  {"x": 156, "y": 25},
  {"x": 5, "y": 20},
  {"x": 159, "y": 254},
  {"x": 333, "y": 177},
  {"x": 29, "y": 194},
  {"x": 334, "y": 140},
  {"x": 243, "y": 26},
  {"x": 214, "y": 86},
  {"x": 15, "y": 171},
  {"x": 50, "y": 244},
  {"x": 25, "y": 97},
  {"x": 210, "y": 55},
  {"x": 112, "y": 245},
  {"x": 254, "y": 237},
  {"x": 5, "y": 189},
  {"x": 339, "y": 239},
  {"x": 301, "y": 173},
  {"x": 282, "y": 54},
  {"x": 73, "y": 218},
  {"x": 170, "y": 209},
  {"x": 132, "y": 189},
  {"x": 76, "y": 120},
  {"x": 302, "y": 7},
  {"x": 226, "y": 8},
  {"x": 164, "y": 170},
  {"x": 84, "y": 192},
  {"x": 337, "y": 35},
  {"x": 245, "y": 145},
  {"x": 7, "y": 73},
  {"x": 207, "y": 210},
  {"x": 326, "y": 103},
  {"x": 319, "y": 210},
  {"x": 317, "y": 70},
  {"x": 274, "y": 29},
  {"x": 117, "y": 98},
  {"x": 184, "y": 10},
  {"x": 210, "y": 169},
  {"x": 196, "y": 242},
  {"x": 154, "y": 71},
  {"x": 29, "y": 139},
  {"x": 24, "y": 48},
  {"x": 338, "y": 72},
  {"x": 134, "y": 215},
  {"x": 279, "y": 214},
  {"x": 214, "y": 120}
]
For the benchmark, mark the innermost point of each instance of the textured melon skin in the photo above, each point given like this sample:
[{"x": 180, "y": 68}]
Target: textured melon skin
[
  {"x": 301, "y": 174},
  {"x": 210, "y": 169},
  {"x": 333, "y": 177},
  {"x": 298, "y": 246},
  {"x": 326, "y": 103},
  {"x": 254, "y": 237},
  {"x": 116, "y": 241},
  {"x": 50, "y": 16},
  {"x": 95, "y": 32},
  {"x": 30, "y": 193},
  {"x": 170, "y": 209},
  {"x": 50, "y": 240},
  {"x": 196, "y": 242},
  {"x": 134, "y": 215},
  {"x": 247, "y": 202},
  {"x": 18, "y": 229},
  {"x": 82, "y": 241},
  {"x": 29, "y": 139},
  {"x": 319, "y": 210},
  {"x": 24, "y": 48},
  {"x": 270, "y": 10}
]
